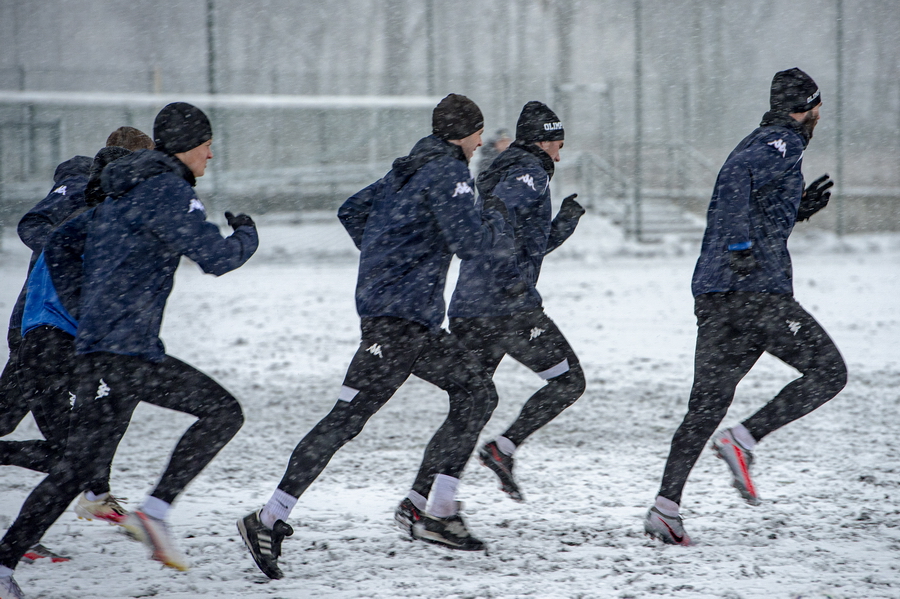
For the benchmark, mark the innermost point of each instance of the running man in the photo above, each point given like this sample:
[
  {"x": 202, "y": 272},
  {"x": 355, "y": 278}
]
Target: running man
[
  {"x": 490, "y": 322},
  {"x": 744, "y": 301}
]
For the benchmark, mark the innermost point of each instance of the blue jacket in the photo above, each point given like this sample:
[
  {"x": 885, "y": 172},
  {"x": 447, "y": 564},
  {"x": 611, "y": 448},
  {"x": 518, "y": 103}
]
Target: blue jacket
[
  {"x": 66, "y": 197},
  {"x": 43, "y": 305},
  {"x": 408, "y": 225},
  {"x": 520, "y": 178},
  {"x": 132, "y": 244},
  {"x": 754, "y": 206}
]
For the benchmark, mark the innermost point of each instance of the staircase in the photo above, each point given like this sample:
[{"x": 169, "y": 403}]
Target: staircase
[{"x": 659, "y": 213}]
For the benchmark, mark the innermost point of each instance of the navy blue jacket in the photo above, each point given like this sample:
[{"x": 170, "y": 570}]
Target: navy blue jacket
[
  {"x": 66, "y": 197},
  {"x": 520, "y": 178},
  {"x": 754, "y": 206},
  {"x": 132, "y": 244},
  {"x": 408, "y": 225}
]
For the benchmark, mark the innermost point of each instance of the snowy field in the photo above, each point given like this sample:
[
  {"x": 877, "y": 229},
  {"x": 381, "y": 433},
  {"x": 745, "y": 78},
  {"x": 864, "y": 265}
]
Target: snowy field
[{"x": 280, "y": 332}]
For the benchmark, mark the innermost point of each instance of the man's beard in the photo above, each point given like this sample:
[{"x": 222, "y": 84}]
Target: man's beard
[{"x": 809, "y": 123}]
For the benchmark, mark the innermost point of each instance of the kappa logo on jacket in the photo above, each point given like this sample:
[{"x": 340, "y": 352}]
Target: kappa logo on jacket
[
  {"x": 196, "y": 204},
  {"x": 527, "y": 180},
  {"x": 779, "y": 145},
  {"x": 61, "y": 190},
  {"x": 461, "y": 188}
]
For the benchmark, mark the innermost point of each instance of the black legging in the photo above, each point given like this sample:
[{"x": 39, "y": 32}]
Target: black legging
[
  {"x": 390, "y": 350},
  {"x": 45, "y": 372},
  {"x": 535, "y": 341},
  {"x": 733, "y": 330},
  {"x": 12, "y": 407},
  {"x": 109, "y": 388}
]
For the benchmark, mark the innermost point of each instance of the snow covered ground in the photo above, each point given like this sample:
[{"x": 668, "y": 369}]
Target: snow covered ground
[{"x": 280, "y": 332}]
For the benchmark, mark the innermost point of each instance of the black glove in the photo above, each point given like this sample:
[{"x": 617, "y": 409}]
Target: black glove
[
  {"x": 570, "y": 208},
  {"x": 815, "y": 197},
  {"x": 241, "y": 220},
  {"x": 493, "y": 202},
  {"x": 742, "y": 262}
]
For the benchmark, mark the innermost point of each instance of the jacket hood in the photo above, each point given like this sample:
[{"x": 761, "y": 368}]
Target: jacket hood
[
  {"x": 77, "y": 166},
  {"x": 425, "y": 150},
  {"x": 488, "y": 179},
  {"x": 124, "y": 174},
  {"x": 775, "y": 118}
]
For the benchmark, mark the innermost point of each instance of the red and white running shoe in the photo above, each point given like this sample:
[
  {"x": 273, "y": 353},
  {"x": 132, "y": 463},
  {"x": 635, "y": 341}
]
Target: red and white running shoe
[
  {"x": 106, "y": 508},
  {"x": 155, "y": 534},
  {"x": 39, "y": 551},
  {"x": 668, "y": 529},
  {"x": 739, "y": 460}
]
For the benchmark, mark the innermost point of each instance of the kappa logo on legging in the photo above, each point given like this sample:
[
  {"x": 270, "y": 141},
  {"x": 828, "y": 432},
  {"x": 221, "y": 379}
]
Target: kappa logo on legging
[
  {"x": 375, "y": 350},
  {"x": 103, "y": 390},
  {"x": 793, "y": 326},
  {"x": 535, "y": 333},
  {"x": 72, "y": 398}
]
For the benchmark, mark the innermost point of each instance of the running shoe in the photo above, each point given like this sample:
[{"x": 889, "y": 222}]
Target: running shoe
[
  {"x": 406, "y": 515},
  {"x": 107, "y": 509},
  {"x": 450, "y": 532},
  {"x": 39, "y": 551},
  {"x": 502, "y": 465},
  {"x": 668, "y": 529},
  {"x": 264, "y": 543},
  {"x": 739, "y": 460},
  {"x": 154, "y": 533}
]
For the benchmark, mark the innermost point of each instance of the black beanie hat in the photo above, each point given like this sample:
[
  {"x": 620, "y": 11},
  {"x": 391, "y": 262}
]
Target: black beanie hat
[
  {"x": 793, "y": 91},
  {"x": 538, "y": 123},
  {"x": 93, "y": 193},
  {"x": 456, "y": 117},
  {"x": 180, "y": 127}
]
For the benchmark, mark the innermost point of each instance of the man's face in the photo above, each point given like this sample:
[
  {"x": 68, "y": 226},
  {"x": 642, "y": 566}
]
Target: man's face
[
  {"x": 552, "y": 148},
  {"x": 196, "y": 158},
  {"x": 469, "y": 144},
  {"x": 808, "y": 120}
]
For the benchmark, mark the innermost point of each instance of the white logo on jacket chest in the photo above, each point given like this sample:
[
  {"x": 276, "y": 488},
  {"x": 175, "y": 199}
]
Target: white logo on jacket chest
[
  {"x": 61, "y": 190},
  {"x": 779, "y": 145},
  {"x": 527, "y": 180},
  {"x": 461, "y": 188},
  {"x": 196, "y": 204}
]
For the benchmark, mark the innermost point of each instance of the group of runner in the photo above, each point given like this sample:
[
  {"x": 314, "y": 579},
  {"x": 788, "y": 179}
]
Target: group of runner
[{"x": 85, "y": 348}]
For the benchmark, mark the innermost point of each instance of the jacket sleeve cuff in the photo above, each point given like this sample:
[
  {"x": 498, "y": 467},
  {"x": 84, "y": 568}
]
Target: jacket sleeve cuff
[{"x": 744, "y": 245}]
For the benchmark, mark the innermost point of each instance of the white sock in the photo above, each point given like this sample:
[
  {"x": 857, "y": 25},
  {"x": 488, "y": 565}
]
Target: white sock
[
  {"x": 155, "y": 508},
  {"x": 89, "y": 495},
  {"x": 743, "y": 436},
  {"x": 442, "y": 499},
  {"x": 278, "y": 508},
  {"x": 505, "y": 445},
  {"x": 5, "y": 572},
  {"x": 667, "y": 507},
  {"x": 417, "y": 500}
]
